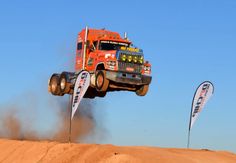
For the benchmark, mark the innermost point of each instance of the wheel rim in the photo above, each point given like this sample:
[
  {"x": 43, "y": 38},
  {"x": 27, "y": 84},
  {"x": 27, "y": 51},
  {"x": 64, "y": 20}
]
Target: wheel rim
[
  {"x": 54, "y": 85},
  {"x": 100, "y": 81},
  {"x": 63, "y": 83}
]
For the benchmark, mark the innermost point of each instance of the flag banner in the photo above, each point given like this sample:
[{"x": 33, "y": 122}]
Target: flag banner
[
  {"x": 81, "y": 85},
  {"x": 202, "y": 95}
]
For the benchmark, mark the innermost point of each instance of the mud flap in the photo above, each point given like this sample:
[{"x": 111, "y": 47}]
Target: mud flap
[{"x": 81, "y": 85}]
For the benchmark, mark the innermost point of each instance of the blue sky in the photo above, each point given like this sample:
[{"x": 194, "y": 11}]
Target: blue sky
[{"x": 187, "y": 42}]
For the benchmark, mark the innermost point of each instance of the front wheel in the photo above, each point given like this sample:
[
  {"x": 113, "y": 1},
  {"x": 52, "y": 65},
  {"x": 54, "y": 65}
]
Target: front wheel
[
  {"x": 101, "y": 81},
  {"x": 101, "y": 94},
  {"x": 142, "y": 91}
]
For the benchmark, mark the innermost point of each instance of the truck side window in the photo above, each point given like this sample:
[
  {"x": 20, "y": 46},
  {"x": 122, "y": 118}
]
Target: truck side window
[{"x": 79, "y": 46}]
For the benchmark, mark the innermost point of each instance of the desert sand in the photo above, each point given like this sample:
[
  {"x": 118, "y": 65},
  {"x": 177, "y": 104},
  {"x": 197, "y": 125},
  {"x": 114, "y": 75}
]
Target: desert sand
[{"x": 46, "y": 151}]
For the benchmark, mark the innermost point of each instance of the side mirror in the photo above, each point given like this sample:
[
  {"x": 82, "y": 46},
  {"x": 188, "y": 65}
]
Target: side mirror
[{"x": 91, "y": 48}]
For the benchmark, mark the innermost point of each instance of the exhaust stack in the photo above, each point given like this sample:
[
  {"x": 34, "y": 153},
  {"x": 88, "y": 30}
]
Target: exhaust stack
[
  {"x": 125, "y": 36},
  {"x": 85, "y": 46}
]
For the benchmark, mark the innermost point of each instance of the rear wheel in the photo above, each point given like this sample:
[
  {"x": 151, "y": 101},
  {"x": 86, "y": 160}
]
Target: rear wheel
[
  {"x": 142, "y": 91},
  {"x": 63, "y": 82},
  {"x": 101, "y": 81},
  {"x": 54, "y": 85}
]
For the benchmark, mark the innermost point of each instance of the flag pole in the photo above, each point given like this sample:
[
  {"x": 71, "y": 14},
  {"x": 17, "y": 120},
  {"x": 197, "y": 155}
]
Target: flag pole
[
  {"x": 190, "y": 120},
  {"x": 70, "y": 108},
  {"x": 188, "y": 139},
  {"x": 189, "y": 129}
]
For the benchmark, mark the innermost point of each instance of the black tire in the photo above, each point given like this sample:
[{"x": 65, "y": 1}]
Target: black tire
[
  {"x": 63, "y": 83},
  {"x": 54, "y": 85},
  {"x": 142, "y": 91},
  {"x": 90, "y": 93},
  {"x": 101, "y": 94},
  {"x": 101, "y": 81}
]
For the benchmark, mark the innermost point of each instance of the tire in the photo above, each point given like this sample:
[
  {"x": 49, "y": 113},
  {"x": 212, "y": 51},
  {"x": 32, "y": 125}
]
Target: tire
[
  {"x": 101, "y": 82},
  {"x": 90, "y": 93},
  {"x": 63, "y": 83},
  {"x": 101, "y": 94},
  {"x": 142, "y": 91},
  {"x": 54, "y": 85}
]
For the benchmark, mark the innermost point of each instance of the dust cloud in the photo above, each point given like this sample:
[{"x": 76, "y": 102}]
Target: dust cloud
[
  {"x": 38, "y": 115},
  {"x": 27, "y": 119}
]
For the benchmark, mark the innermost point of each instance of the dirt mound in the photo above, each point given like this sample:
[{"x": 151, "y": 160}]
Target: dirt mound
[{"x": 43, "y": 151}]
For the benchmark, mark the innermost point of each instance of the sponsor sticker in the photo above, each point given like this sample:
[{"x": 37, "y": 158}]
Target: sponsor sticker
[
  {"x": 129, "y": 49},
  {"x": 130, "y": 69}
]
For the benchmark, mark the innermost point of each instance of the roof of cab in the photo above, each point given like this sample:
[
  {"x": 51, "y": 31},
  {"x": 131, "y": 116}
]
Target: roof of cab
[{"x": 101, "y": 34}]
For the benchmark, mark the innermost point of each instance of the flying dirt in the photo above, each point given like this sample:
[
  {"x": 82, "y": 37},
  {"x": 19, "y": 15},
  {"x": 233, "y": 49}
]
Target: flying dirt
[
  {"x": 113, "y": 63},
  {"x": 25, "y": 120}
]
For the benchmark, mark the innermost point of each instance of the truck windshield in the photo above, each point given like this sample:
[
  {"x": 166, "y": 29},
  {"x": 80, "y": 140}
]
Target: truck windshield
[{"x": 111, "y": 45}]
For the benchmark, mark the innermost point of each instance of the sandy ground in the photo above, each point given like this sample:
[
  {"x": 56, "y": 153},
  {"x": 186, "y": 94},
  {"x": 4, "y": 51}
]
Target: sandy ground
[{"x": 43, "y": 151}]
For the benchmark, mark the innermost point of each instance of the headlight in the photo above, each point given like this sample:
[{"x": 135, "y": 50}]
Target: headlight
[
  {"x": 111, "y": 63},
  {"x": 141, "y": 60},
  {"x": 135, "y": 59},
  {"x": 146, "y": 68},
  {"x": 130, "y": 58},
  {"x": 123, "y": 57}
]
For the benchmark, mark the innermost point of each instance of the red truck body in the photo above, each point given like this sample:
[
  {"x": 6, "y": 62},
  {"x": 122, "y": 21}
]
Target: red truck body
[{"x": 113, "y": 63}]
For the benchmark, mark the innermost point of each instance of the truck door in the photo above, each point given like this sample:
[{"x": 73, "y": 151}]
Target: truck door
[
  {"x": 79, "y": 57},
  {"x": 82, "y": 50}
]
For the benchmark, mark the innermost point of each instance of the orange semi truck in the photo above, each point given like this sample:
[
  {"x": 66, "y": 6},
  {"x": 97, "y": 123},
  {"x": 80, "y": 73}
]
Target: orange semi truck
[{"x": 113, "y": 63}]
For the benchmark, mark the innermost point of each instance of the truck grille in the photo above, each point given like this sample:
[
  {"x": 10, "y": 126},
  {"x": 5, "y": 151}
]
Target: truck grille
[{"x": 129, "y": 67}]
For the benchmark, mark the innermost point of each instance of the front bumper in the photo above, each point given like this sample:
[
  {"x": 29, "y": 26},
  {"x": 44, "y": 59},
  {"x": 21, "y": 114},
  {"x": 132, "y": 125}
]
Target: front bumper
[{"x": 128, "y": 78}]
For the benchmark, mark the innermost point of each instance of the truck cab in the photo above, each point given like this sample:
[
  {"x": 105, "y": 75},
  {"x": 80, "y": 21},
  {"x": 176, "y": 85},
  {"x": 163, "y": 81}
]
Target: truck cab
[{"x": 113, "y": 63}]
